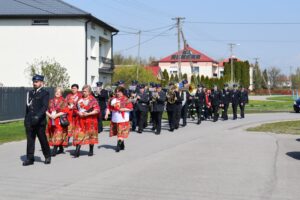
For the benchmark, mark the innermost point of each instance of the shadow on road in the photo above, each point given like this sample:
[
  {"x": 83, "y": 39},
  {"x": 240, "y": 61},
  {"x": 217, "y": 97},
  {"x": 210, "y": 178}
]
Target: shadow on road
[
  {"x": 294, "y": 154},
  {"x": 298, "y": 139},
  {"x": 106, "y": 146},
  {"x": 36, "y": 158},
  {"x": 82, "y": 152}
]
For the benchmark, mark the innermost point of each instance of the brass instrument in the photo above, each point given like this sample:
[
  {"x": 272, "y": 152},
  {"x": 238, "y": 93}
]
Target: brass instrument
[
  {"x": 153, "y": 100},
  {"x": 171, "y": 95}
]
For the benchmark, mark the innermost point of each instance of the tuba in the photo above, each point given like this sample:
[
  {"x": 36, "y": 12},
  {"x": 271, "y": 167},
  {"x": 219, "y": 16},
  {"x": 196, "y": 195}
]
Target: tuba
[{"x": 171, "y": 95}]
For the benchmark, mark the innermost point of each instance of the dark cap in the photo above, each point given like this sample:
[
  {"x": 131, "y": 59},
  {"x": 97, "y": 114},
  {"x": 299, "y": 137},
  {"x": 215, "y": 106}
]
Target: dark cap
[
  {"x": 134, "y": 82},
  {"x": 185, "y": 81},
  {"x": 225, "y": 85},
  {"x": 120, "y": 82},
  {"x": 158, "y": 85},
  {"x": 235, "y": 85},
  {"x": 141, "y": 86},
  {"x": 99, "y": 83},
  {"x": 38, "y": 77},
  {"x": 170, "y": 84}
]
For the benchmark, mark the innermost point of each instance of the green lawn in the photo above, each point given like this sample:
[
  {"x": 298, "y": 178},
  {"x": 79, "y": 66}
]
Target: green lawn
[
  {"x": 282, "y": 98},
  {"x": 13, "y": 131},
  {"x": 286, "y": 127},
  {"x": 257, "y": 106}
]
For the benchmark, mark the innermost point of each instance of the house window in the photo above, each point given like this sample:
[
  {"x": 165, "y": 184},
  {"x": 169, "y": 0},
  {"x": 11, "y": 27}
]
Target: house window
[
  {"x": 105, "y": 32},
  {"x": 40, "y": 22},
  {"x": 93, "y": 47},
  {"x": 195, "y": 70},
  {"x": 173, "y": 71},
  {"x": 221, "y": 73},
  {"x": 93, "y": 26}
]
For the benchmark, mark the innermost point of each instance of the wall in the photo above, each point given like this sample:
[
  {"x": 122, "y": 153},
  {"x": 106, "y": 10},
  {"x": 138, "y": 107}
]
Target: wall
[{"x": 22, "y": 43}]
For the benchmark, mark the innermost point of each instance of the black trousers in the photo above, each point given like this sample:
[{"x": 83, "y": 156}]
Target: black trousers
[
  {"x": 215, "y": 109},
  {"x": 100, "y": 120},
  {"x": 199, "y": 112},
  {"x": 31, "y": 133},
  {"x": 225, "y": 112},
  {"x": 171, "y": 118},
  {"x": 234, "y": 110},
  {"x": 242, "y": 108},
  {"x": 156, "y": 119},
  {"x": 184, "y": 111},
  {"x": 141, "y": 119},
  {"x": 177, "y": 115},
  {"x": 133, "y": 118}
]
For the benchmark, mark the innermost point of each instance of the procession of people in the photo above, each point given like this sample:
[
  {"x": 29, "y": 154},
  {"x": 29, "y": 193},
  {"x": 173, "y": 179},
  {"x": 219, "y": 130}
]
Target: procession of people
[{"x": 80, "y": 115}]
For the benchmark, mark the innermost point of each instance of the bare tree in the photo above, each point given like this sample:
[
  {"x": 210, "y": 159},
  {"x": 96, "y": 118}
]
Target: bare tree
[{"x": 273, "y": 74}]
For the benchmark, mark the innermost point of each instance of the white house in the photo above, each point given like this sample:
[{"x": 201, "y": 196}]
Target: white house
[
  {"x": 49, "y": 29},
  {"x": 193, "y": 62}
]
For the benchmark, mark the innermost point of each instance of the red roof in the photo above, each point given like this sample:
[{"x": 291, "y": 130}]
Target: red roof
[
  {"x": 222, "y": 63},
  {"x": 155, "y": 69},
  {"x": 188, "y": 54}
]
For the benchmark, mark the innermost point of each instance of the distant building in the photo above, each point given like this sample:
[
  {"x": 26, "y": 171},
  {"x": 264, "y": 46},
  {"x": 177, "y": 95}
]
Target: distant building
[
  {"x": 193, "y": 62},
  {"x": 46, "y": 29}
]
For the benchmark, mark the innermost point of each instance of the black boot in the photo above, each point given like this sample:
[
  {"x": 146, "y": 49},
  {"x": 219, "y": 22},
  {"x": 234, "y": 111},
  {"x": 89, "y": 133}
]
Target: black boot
[
  {"x": 54, "y": 151},
  {"x": 118, "y": 146},
  {"x": 122, "y": 147},
  {"x": 91, "y": 152},
  {"x": 28, "y": 162},
  {"x": 60, "y": 150},
  {"x": 47, "y": 160},
  {"x": 77, "y": 151}
]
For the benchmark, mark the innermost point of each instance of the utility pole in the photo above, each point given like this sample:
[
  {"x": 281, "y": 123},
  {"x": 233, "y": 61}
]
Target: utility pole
[
  {"x": 231, "y": 45},
  {"x": 138, "y": 56},
  {"x": 291, "y": 68},
  {"x": 178, "y": 22}
]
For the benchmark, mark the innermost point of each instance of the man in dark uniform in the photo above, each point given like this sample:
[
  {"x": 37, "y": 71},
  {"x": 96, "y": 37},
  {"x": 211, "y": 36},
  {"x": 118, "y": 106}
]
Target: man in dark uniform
[
  {"x": 171, "y": 106},
  {"x": 185, "y": 98},
  {"x": 179, "y": 99},
  {"x": 235, "y": 96},
  {"x": 35, "y": 120},
  {"x": 225, "y": 101},
  {"x": 102, "y": 96},
  {"x": 133, "y": 90},
  {"x": 142, "y": 107},
  {"x": 122, "y": 84},
  {"x": 158, "y": 101},
  {"x": 243, "y": 100},
  {"x": 199, "y": 102},
  {"x": 215, "y": 98}
]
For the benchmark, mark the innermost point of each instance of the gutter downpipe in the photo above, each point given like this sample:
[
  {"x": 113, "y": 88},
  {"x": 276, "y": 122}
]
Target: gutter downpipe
[
  {"x": 86, "y": 56},
  {"x": 112, "y": 54}
]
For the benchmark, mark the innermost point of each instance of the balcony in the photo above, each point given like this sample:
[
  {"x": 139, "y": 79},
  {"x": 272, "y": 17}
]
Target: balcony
[{"x": 106, "y": 65}]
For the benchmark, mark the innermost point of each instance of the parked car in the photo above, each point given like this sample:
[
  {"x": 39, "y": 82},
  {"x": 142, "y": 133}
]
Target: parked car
[{"x": 297, "y": 105}]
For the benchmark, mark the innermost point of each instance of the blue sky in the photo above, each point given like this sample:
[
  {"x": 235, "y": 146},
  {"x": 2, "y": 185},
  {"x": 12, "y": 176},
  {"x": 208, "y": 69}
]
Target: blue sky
[{"x": 276, "y": 44}]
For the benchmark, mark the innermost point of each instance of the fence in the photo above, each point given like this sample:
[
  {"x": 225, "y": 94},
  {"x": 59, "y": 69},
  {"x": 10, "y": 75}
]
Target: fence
[{"x": 13, "y": 102}]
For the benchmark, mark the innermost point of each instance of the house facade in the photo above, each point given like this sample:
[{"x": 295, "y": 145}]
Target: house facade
[
  {"x": 42, "y": 30},
  {"x": 193, "y": 62}
]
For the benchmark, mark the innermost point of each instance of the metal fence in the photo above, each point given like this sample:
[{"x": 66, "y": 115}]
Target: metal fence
[{"x": 13, "y": 102}]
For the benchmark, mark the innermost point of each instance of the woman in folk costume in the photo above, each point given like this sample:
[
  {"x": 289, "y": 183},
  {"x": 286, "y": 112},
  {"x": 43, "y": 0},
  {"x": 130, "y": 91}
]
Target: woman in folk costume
[
  {"x": 119, "y": 107},
  {"x": 56, "y": 134},
  {"x": 72, "y": 100},
  {"x": 86, "y": 131}
]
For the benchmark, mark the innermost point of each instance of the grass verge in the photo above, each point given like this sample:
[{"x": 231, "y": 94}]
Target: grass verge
[{"x": 286, "y": 127}]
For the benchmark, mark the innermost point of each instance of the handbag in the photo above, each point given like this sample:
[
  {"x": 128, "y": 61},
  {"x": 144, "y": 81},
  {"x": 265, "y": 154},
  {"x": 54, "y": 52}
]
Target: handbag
[{"x": 64, "y": 122}]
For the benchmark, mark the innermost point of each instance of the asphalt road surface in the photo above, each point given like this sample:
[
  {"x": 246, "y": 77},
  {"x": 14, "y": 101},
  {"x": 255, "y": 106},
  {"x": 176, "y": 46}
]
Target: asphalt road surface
[{"x": 209, "y": 161}]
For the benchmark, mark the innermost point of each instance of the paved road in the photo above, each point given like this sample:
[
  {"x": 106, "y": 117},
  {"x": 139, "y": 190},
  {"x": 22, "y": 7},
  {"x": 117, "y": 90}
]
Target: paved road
[
  {"x": 264, "y": 97},
  {"x": 213, "y": 161}
]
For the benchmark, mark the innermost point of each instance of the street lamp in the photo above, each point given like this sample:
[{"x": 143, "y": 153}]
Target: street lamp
[{"x": 231, "y": 45}]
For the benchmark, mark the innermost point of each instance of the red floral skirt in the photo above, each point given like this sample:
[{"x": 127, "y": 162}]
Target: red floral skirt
[
  {"x": 57, "y": 136},
  {"x": 121, "y": 129}
]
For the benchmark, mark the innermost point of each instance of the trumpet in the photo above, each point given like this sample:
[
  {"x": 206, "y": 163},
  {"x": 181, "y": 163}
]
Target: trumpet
[{"x": 171, "y": 95}]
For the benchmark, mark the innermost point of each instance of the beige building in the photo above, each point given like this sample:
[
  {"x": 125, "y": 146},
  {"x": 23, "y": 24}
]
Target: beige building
[{"x": 193, "y": 62}]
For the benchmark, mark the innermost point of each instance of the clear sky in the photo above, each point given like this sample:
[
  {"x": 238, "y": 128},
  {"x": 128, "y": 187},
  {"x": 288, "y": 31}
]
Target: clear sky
[{"x": 267, "y": 29}]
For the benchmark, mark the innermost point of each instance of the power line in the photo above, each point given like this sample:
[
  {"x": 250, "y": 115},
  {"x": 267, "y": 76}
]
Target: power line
[
  {"x": 148, "y": 40},
  {"x": 244, "y": 23}
]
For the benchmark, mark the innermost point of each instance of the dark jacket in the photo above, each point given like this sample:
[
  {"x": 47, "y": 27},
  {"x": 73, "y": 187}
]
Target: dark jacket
[
  {"x": 102, "y": 99},
  {"x": 215, "y": 97},
  {"x": 36, "y": 107},
  {"x": 226, "y": 97},
  {"x": 235, "y": 97},
  {"x": 199, "y": 98},
  {"x": 243, "y": 97},
  {"x": 159, "y": 104},
  {"x": 143, "y": 102}
]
